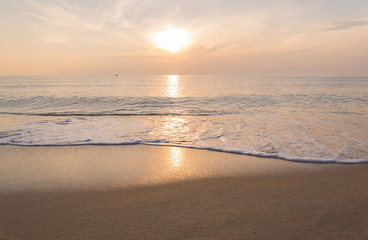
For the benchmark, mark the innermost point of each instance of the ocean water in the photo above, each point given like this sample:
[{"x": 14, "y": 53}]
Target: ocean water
[{"x": 299, "y": 118}]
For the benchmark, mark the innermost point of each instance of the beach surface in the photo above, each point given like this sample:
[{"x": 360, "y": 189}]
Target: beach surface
[{"x": 152, "y": 192}]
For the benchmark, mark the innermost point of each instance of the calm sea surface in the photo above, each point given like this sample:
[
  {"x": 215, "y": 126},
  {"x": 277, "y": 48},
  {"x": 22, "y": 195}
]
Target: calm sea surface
[{"x": 301, "y": 118}]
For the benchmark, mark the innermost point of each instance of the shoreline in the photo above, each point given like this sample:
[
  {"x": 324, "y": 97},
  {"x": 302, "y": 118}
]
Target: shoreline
[
  {"x": 257, "y": 155},
  {"x": 149, "y": 192}
]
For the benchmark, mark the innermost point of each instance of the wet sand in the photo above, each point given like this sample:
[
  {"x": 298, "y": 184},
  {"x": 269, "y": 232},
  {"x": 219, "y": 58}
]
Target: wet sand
[{"x": 149, "y": 192}]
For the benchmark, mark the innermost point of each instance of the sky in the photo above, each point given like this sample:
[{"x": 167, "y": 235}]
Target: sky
[{"x": 252, "y": 37}]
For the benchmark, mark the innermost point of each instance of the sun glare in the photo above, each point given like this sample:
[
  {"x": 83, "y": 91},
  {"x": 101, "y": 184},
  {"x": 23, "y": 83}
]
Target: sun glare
[{"x": 172, "y": 40}]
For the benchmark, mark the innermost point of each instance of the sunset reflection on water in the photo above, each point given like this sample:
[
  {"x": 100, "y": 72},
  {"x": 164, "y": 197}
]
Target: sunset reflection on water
[
  {"x": 173, "y": 88},
  {"x": 174, "y": 125}
]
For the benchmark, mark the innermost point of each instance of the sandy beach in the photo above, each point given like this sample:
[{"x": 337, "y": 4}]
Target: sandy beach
[{"x": 151, "y": 192}]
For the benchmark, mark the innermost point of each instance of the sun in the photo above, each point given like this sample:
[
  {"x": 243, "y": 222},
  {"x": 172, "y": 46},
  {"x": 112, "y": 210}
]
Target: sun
[{"x": 172, "y": 40}]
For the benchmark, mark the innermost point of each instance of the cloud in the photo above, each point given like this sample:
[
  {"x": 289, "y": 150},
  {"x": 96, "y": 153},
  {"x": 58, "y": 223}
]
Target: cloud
[
  {"x": 66, "y": 14},
  {"x": 218, "y": 27},
  {"x": 132, "y": 21},
  {"x": 347, "y": 25}
]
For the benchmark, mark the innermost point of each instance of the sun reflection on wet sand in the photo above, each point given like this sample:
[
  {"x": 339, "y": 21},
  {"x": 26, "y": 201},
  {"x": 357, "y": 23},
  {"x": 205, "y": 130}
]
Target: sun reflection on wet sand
[
  {"x": 173, "y": 86},
  {"x": 176, "y": 157}
]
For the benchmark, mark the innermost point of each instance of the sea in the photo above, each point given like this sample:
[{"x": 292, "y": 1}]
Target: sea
[{"x": 295, "y": 118}]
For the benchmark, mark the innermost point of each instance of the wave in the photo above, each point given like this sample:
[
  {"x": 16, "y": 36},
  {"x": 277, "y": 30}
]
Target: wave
[
  {"x": 160, "y": 142},
  {"x": 197, "y": 106},
  {"x": 109, "y": 114}
]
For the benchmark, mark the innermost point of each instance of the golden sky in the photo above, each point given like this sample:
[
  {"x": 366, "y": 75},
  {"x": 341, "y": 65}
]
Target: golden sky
[{"x": 263, "y": 37}]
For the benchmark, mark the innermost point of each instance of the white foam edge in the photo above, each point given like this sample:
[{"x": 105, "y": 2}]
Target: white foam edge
[{"x": 160, "y": 142}]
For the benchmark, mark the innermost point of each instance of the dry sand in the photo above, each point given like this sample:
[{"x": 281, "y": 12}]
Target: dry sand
[{"x": 147, "y": 192}]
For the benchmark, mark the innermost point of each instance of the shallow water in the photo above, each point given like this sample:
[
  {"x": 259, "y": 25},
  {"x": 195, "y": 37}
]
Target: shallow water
[{"x": 302, "y": 118}]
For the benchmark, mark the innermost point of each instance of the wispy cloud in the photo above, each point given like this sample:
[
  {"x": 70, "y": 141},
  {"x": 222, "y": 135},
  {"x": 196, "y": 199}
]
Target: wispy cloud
[
  {"x": 347, "y": 25},
  {"x": 97, "y": 16}
]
